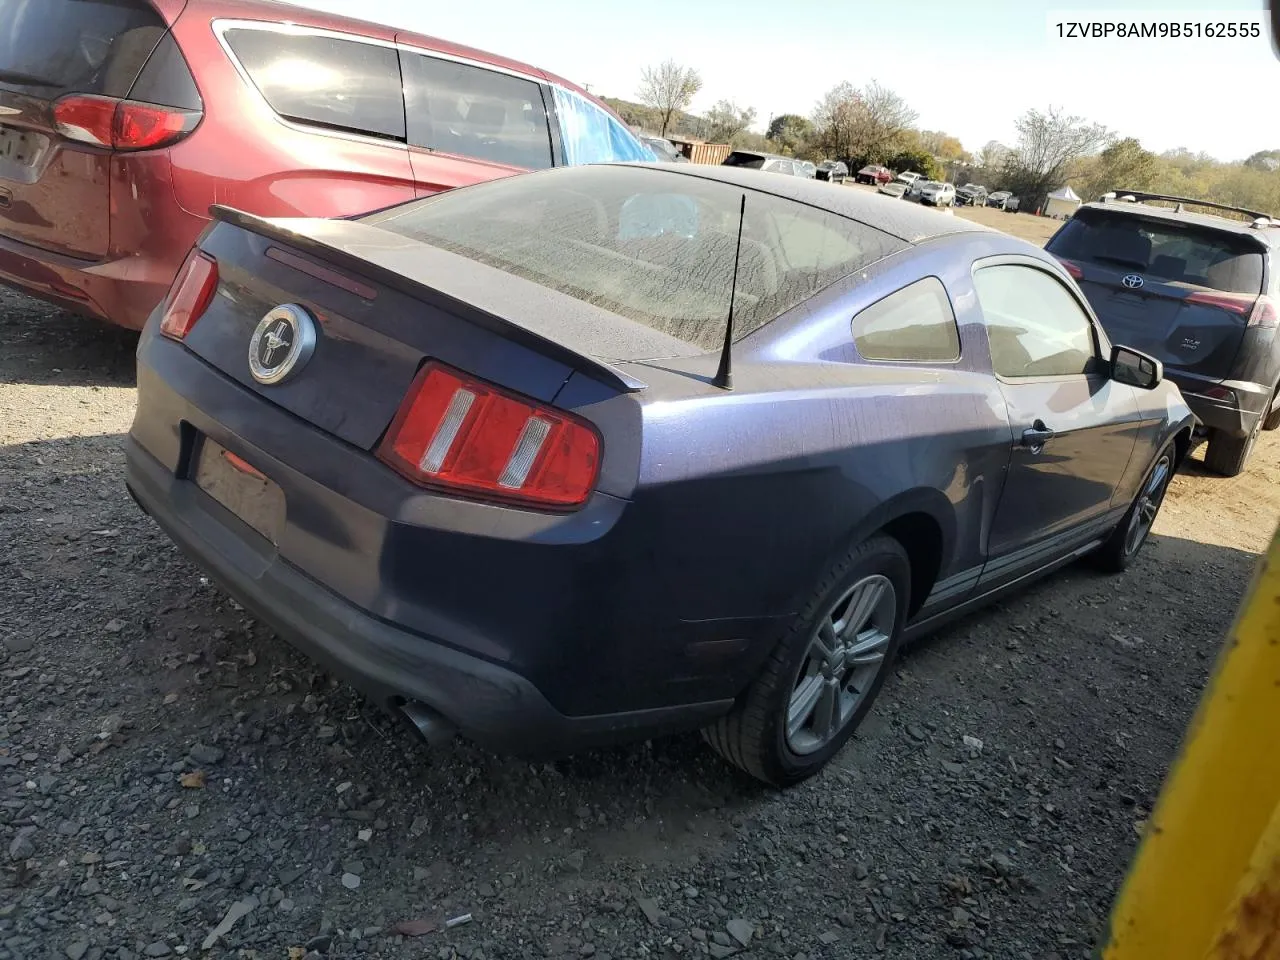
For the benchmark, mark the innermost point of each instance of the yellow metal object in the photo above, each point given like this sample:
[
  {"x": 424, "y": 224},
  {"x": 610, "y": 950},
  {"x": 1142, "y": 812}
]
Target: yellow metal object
[{"x": 1206, "y": 882}]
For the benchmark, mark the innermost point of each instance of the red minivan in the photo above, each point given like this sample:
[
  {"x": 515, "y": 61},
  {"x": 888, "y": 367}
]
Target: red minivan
[{"x": 123, "y": 121}]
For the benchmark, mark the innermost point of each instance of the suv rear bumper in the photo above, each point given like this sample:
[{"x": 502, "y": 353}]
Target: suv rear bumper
[{"x": 1236, "y": 417}]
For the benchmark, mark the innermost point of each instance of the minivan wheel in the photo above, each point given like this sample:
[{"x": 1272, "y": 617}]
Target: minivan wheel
[
  {"x": 823, "y": 676},
  {"x": 1120, "y": 549},
  {"x": 1227, "y": 455}
]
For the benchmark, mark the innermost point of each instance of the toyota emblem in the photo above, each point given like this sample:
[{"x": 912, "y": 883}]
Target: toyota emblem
[
  {"x": 282, "y": 343},
  {"x": 1132, "y": 281}
]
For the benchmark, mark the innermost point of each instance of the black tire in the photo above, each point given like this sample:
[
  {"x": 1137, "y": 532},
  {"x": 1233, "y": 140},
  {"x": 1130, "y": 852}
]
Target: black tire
[
  {"x": 753, "y": 736},
  {"x": 1273, "y": 418},
  {"x": 1119, "y": 550},
  {"x": 1227, "y": 455}
]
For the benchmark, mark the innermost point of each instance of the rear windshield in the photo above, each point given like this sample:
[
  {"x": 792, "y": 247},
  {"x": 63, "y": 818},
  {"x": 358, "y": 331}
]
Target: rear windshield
[
  {"x": 653, "y": 246},
  {"x": 1168, "y": 251},
  {"x": 753, "y": 160},
  {"x": 52, "y": 47}
]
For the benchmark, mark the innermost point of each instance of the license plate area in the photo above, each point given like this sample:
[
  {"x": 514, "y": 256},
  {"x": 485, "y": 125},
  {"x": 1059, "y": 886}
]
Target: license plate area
[
  {"x": 240, "y": 488},
  {"x": 21, "y": 147}
]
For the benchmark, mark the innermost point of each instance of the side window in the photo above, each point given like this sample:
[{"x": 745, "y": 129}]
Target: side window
[
  {"x": 342, "y": 84},
  {"x": 590, "y": 135},
  {"x": 1036, "y": 328},
  {"x": 915, "y": 324},
  {"x": 468, "y": 110}
]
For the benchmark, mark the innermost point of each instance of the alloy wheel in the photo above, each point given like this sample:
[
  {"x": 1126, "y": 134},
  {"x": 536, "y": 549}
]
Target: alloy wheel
[
  {"x": 844, "y": 657},
  {"x": 1149, "y": 500}
]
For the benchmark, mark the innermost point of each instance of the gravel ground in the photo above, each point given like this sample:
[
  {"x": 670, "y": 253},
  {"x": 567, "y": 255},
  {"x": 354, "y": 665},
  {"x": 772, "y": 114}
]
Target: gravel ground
[{"x": 173, "y": 777}]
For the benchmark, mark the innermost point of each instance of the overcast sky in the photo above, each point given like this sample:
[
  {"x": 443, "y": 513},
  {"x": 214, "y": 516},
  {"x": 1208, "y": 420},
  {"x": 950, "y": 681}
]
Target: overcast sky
[{"x": 970, "y": 69}]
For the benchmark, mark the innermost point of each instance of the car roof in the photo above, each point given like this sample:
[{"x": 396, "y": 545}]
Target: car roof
[
  {"x": 1268, "y": 235},
  {"x": 278, "y": 10},
  {"x": 913, "y": 224}
]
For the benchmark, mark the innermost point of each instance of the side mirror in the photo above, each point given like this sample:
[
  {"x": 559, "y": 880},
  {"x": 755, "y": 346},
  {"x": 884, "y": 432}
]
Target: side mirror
[{"x": 1135, "y": 368}]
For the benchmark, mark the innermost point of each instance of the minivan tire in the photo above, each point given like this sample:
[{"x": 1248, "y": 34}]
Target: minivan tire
[
  {"x": 754, "y": 735},
  {"x": 1226, "y": 454}
]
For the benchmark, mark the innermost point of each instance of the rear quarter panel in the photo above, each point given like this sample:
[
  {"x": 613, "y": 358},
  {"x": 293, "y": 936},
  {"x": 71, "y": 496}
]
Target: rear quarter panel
[{"x": 815, "y": 449}]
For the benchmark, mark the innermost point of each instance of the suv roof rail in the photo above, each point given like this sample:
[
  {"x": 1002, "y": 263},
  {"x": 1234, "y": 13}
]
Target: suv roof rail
[{"x": 1139, "y": 196}]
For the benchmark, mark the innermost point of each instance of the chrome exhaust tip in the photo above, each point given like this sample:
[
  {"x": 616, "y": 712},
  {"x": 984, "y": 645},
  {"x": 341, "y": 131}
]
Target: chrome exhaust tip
[{"x": 432, "y": 725}]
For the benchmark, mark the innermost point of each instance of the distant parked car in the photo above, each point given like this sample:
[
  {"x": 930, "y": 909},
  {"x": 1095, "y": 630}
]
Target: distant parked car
[
  {"x": 971, "y": 195},
  {"x": 121, "y": 122},
  {"x": 908, "y": 177},
  {"x": 664, "y": 149},
  {"x": 402, "y": 440},
  {"x": 936, "y": 194},
  {"x": 1003, "y": 199},
  {"x": 1197, "y": 291},
  {"x": 835, "y": 171},
  {"x": 894, "y": 188},
  {"x": 874, "y": 175},
  {"x": 768, "y": 162}
]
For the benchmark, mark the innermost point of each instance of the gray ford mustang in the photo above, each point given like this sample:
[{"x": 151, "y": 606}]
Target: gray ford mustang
[{"x": 607, "y": 452}]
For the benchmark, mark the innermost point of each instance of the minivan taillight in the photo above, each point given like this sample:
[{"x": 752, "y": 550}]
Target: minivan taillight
[
  {"x": 190, "y": 295},
  {"x": 464, "y": 435},
  {"x": 121, "y": 124},
  {"x": 1261, "y": 311}
]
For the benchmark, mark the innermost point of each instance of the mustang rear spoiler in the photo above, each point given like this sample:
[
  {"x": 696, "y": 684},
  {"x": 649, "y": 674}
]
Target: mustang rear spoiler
[{"x": 593, "y": 367}]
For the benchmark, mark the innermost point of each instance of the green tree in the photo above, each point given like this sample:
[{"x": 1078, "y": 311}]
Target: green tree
[
  {"x": 1123, "y": 165},
  {"x": 789, "y": 131},
  {"x": 916, "y": 159},
  {"x": 726, "y": 120}
]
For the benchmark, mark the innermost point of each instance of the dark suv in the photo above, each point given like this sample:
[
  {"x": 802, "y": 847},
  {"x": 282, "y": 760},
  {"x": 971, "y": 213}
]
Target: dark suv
[
  {"x": 123, "y": 121},
  {"x": 1197, "y": 291}
]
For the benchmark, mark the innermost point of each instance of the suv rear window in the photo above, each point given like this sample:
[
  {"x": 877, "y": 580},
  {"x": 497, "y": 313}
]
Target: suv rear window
[
  {"x": 327, "y": 81},
  {"x": 1164, "y": 250},
  {"x": 655, "y": 247},
  {"x": 52, "y": 47}
]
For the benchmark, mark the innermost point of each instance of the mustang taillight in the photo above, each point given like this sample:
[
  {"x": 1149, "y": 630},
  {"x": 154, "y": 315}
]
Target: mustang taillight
[
  {"x": 190, "y": 295},
  {"x": 470, "y": 437}
]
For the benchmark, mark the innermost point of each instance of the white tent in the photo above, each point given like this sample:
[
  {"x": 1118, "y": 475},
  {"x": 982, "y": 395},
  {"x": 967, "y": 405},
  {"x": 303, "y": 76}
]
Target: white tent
[{"x": 1061, "y": 203}]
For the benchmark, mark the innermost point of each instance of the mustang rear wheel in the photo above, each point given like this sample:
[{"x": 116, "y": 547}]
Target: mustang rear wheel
[{"x": 821, "y": 679}]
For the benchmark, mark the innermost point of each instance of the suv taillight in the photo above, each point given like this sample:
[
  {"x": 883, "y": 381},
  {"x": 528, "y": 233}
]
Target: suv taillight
[
  {"x": 121, "y": 124},
  {"x": 190, "y": 295},
  {"x": 470, "y": 437},
  {"x": 1070, "y": 267},
  {"x": 1261, "y": 311}
]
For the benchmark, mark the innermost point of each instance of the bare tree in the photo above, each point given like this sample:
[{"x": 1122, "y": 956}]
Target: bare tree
[
  {"x": 866, "y": 124},
  {"x": 1048, "y": 145},
  {"x": 992, "y": 156},
  {"x": 726, "y": 120},
  {"x": 668, "y": 88}
]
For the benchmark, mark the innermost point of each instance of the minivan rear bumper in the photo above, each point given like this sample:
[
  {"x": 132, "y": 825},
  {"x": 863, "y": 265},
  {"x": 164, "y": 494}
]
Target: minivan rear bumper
[{"x": 122, "y": 291}]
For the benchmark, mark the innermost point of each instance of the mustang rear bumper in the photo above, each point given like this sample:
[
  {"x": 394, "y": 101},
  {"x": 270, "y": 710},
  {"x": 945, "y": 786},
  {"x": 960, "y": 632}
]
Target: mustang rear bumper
[{"x": 488, "y": 703}]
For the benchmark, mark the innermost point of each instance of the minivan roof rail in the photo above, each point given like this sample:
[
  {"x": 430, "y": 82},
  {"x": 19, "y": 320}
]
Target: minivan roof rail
[{"x": 1140, "y": 196}]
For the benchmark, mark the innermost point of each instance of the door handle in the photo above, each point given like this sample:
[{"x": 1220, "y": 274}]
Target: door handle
[{"x": 1035, "y": 437}]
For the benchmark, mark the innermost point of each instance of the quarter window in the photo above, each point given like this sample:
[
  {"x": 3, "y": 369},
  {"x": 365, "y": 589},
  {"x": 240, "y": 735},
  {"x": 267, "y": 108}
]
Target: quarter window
[
  {"x": 467, "y": 110},
  {"x": 1035, "y": 327},
  {"x": 914, "y": 324},
  {"x": 342, "y": 84}
]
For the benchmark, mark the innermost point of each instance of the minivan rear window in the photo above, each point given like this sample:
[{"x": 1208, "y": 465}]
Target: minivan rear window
[
  {"x": 649, "y": 245},
  {"x": 322, "y": 80},
  {"x": 1163, "y": 250},
  {"x": 52, "y": 47},
  {"x": 752, "y": 160}
]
